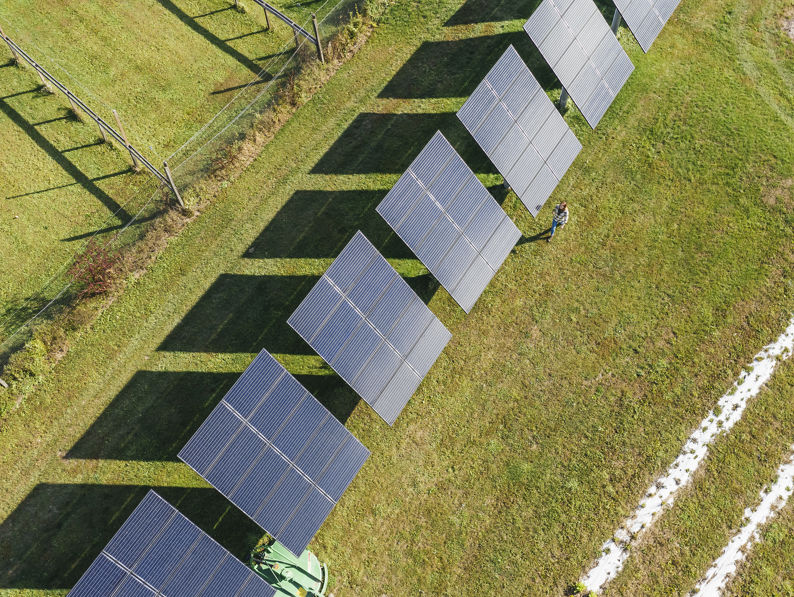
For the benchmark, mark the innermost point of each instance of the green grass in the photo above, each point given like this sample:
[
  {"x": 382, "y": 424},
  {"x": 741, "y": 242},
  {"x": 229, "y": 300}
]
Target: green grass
[
  {"x": 573, "y": 383},
  {"x": 166, "y": 66}
]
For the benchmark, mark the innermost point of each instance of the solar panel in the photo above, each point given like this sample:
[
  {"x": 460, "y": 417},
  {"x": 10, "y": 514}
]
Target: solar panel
[
  {"x": 646, "y": 18},
  {"x": 275, "y": 452},
  {"x": 158, "y": 551},
  {"x": 373, "y": 330},
  {"x": 582, "y": 51},
  {"x": 514, "y": 122},
  {"x": 450, "y": 221}
]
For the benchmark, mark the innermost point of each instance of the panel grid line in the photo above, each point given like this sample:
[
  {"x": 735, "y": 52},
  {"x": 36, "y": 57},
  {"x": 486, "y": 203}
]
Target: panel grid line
[
  {"x": 363, "y": 316},
  {"x": 514, "y": 122},
  {"x": 145, "y": 529},
  {"x": 269, "y": 444},
  {"x": 424, "y": 330},
  {"x": 445, "y": 213},
  {"x": 583, "y": 52}
]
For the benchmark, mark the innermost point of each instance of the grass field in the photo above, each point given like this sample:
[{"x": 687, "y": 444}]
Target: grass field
[
  {"x": 167, "y": 66},
  {"x": 572, "y": 384}
]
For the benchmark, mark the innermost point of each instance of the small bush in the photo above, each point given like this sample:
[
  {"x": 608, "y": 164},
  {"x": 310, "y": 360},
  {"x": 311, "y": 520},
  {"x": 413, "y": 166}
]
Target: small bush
[{"x": 93, "y": 269}]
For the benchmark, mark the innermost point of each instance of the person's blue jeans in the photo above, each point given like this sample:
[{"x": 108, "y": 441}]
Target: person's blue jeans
[{"x": 553, "y": 227}]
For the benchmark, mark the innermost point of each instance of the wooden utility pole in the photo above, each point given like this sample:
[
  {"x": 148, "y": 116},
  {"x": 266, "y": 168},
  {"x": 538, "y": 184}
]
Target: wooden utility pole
[
  {"x": 317, "y": 37},
  {"x": 103, "y": 133},
  {"x": 46, "y": 84},
  {"x": 173, "y": 186},
  {"x": 135, "y": 165},
  {"x": 10, "y": 47}
]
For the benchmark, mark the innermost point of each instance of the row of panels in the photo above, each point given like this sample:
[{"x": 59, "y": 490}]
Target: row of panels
[{"x": 269, "y": 446}]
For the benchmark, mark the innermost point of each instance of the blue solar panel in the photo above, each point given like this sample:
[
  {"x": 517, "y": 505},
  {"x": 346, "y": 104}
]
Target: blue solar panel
[
  {"x": 368, "y": 324},
  {"x": 157, "y": 551},
  {"x": 437, "y": 219},
  {"x": 269, "y": 446},
  {"x": 582, "y": 51},
  {"x": 514, "y": 122}
]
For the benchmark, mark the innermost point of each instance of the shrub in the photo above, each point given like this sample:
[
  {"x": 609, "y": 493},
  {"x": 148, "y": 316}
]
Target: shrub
[{"x": 93, "y": 269}]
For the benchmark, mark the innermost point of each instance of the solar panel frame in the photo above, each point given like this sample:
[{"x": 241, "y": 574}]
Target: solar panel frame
[
  {"x": 567, "y": 31},
  {"x": 411, "y": 338},
  {"x": 270, "y": 448},
  {"x": 646, "y": 18},
  {"x": 158, "y": 551},
  {"x": 512, "y": 122},
  {"x": 443, "y": 243}
]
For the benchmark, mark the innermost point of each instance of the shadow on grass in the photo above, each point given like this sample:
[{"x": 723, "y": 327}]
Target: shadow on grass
[
  {"x": 487, "y": 11},
  {"x": 52, "y": 537},
  {"x": 157, "y": 412},
  {"x": 243, "y": 313},
  {"x": 318, "y": 224},
  {"x": 216, "y": 41},
  {"x": 452, "y": 77},
  {"x": 376, "y": 143},
  {"x": 45, "y": 145},
  {"x": 153, "y": 416}
]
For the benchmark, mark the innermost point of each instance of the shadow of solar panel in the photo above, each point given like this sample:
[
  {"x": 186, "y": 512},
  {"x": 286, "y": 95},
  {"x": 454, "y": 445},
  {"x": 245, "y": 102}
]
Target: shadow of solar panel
[
  {"x": 446, "y": 217},
  {"x": 157, "y": 551},
  {"x": 514, "y": 122},
  {"x": 584, "y": 54},
  {"x": 367, "y": 323},
  {"x": 646, "y": 18},
  {"x": 276, "y": 453}
]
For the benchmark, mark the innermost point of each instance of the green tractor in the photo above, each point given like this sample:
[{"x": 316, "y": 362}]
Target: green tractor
[{"x": 289, "y": 575}]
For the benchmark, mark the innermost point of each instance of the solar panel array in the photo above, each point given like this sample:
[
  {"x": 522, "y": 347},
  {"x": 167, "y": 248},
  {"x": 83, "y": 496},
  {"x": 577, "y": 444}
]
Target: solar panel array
[
  {"x": 450, "y": 221},
  {"x": 373, "y": 330},
  {"x": 277, "y": 453},
  {"x": 582, "y": 51},
  {"x": 646, "y": 18},
  {"x": 517, "y": 126},
  {"x": 157, "y": 551}
]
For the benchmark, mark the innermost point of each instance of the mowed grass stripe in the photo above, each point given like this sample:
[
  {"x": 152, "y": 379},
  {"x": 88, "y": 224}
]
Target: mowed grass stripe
[
  {"x": 677, "y": 551},
  {"x": 574, "y": 381}
]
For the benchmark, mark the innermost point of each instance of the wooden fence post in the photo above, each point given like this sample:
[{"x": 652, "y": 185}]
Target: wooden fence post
[
  {"x": 10, "y": 47},
  {"x": 317, "y": 37},
  {"x": 267, "y": 19},
  {"x": 102, "y": 132},
  {"x": 173, "y": 186},
  {"x": 126, "y": 143},
  {"x": 46, "y": 84},
  {"x": 295, "y": 35}
]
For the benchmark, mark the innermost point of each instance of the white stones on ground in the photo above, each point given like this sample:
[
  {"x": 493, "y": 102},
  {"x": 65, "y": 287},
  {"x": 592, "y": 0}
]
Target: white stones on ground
[
  {"x": 772, "y": 500},
  {"x": 661, "y": 494}
]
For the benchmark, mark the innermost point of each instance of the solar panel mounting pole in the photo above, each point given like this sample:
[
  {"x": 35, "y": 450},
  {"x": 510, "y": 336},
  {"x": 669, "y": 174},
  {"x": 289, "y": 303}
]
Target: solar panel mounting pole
[
  {"x": 10, "y": 47},
  {"x": 616, "y": 21},
  {"x": 563, "y": 103}
]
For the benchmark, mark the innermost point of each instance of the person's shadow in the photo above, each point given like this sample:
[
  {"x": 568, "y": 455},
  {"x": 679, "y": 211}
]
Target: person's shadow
[{"x": 539, "y": 236}]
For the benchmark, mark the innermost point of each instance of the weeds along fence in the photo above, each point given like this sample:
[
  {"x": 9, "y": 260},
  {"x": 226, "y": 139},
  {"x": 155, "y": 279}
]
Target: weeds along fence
[
  {"x": 218, "y": 140},
  {"x": 198, "y": 158}
]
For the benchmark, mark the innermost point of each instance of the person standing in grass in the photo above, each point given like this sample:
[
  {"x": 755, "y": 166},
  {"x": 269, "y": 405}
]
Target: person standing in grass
[{"x": 559, "y": 218}]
